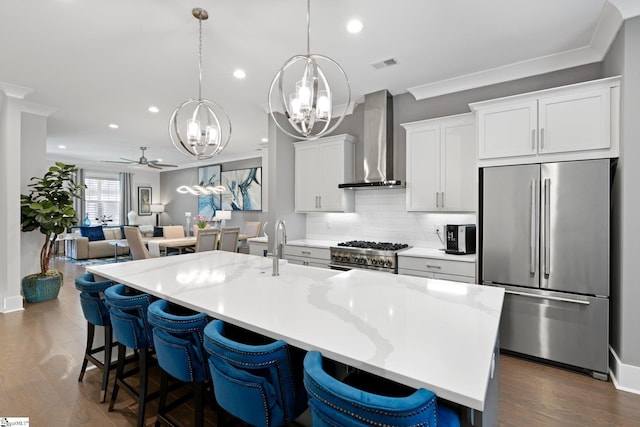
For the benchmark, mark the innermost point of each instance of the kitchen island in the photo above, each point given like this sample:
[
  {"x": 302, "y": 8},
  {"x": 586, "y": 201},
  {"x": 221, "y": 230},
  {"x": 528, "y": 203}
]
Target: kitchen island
[{"x": 428, "y": 333}]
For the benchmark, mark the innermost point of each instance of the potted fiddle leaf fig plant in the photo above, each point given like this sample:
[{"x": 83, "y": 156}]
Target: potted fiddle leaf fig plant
[{"x": 48, "y": 208}]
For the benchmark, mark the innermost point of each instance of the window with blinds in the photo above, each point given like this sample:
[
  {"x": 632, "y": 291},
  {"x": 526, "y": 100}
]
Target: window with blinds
[{"x": 102, "y": 200}]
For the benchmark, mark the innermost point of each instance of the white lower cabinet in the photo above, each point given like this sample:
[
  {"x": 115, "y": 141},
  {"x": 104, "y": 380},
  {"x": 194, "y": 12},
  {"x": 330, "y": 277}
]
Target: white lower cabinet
[
  {"x": 437, "y": 268},
  {"x": 305, "y": 255},
  {"x": 258, "y": 248}
]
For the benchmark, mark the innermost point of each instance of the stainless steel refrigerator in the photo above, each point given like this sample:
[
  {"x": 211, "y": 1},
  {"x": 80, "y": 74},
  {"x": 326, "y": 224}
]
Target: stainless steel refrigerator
[{"x": 545, "y": 239}]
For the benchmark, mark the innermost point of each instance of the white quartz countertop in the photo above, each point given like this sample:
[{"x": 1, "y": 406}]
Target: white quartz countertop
[
  {"x": 420, "y": 332},
  {"x": 436, "y": 253}
]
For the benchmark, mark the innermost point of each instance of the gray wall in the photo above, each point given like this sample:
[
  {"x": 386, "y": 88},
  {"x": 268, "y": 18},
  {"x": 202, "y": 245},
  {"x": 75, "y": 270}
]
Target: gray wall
[{"x": 623, "y": 59}]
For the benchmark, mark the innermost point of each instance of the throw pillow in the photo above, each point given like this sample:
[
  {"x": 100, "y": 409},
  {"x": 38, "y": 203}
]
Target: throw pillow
[
  {"x": 92, "y": 233},
  {"x": 158, "y": 232}
]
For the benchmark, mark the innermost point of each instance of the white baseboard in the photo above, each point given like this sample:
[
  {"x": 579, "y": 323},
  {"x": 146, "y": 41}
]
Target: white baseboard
[
  {"x": 624, "y": 377},
  {"x": 12, "y": 304}
]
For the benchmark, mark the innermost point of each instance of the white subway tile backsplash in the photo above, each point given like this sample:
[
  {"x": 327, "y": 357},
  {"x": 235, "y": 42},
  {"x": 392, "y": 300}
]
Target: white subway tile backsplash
[{"x": 381, "y": 215}]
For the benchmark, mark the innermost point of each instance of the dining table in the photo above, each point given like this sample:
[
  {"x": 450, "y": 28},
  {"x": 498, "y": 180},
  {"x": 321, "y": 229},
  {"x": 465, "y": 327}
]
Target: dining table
[{"x": 436, "y": 334}]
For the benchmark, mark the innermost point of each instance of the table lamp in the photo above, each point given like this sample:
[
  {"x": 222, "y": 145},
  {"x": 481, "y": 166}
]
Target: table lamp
[
  {"x": 157, "y": 209},
  {"x": 222, "y": 216}
]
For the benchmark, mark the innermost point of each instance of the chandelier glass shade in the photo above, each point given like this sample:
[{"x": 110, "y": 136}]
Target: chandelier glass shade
[
  {"x": 302, "y": 95},
  {"x": 199, "y": 127}
]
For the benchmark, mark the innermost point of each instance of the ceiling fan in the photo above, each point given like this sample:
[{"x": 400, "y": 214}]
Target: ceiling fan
[{"x": 143, "y": 161}]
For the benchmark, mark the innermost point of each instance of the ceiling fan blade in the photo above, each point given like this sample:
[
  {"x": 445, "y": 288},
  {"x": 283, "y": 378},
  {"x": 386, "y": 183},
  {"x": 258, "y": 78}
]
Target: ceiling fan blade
[
  {"x": 155, "y": 163},
  {"x": 118, "y": 161},
  {"x": 131, "y": 161},
  {"x": 151, "y": 165}
]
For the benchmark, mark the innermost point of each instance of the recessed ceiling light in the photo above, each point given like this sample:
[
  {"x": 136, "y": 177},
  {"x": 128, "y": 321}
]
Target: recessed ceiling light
[
  {"x": 265, "y": 140},
  {"x": 62, "y": 146},
  {"x": 113, "y": 126},
  {"x": 354, "y": 26},
  {"x": 239, "y": 74},
  {"x": 153, "y": 109}
]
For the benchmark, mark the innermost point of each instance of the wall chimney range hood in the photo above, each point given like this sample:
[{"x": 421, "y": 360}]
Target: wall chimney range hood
[{"x": 378, "y": 143}]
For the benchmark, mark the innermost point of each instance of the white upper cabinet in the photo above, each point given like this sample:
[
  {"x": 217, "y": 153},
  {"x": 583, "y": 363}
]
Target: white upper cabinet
[
  {"x": 573, "y": 122},
  {"x": 320, "y": 166},
  {"x": 441, "y": 171}
]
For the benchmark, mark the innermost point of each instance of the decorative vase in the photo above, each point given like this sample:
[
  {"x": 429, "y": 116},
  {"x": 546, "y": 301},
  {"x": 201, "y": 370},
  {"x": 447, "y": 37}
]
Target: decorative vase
[
  {"x": 86, "y": 222},
  {"x": 39, "y": 288}
]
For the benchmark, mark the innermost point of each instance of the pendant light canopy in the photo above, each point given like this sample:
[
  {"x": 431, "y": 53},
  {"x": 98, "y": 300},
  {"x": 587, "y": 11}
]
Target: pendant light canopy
[
  {"x": 304, "y": 92},
  {"x": 198, "y": 127}
]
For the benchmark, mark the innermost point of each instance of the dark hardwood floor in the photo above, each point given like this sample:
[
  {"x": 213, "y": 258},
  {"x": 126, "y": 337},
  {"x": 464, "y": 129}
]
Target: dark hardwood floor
[{"x": 42, "y": 349}]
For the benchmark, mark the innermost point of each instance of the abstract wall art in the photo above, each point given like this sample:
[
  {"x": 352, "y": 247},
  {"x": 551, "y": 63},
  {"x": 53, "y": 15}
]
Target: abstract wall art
[
  {"x": 209, "y": 176},
  {"x": 243, "y": 189}
]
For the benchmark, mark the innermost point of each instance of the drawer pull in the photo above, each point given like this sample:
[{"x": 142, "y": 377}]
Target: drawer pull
[
  {"x": 434, "y": 266},
  {"x": 305, "y": 252}
]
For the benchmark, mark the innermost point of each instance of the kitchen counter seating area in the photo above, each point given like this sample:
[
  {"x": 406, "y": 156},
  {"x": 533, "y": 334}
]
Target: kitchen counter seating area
[{"x": 423, "y": 333}]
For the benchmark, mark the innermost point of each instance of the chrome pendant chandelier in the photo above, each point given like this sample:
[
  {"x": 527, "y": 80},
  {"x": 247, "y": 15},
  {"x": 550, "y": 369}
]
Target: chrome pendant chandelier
[
  {"x": 303, "y": 103},
  {"x": 199, "y": 127}
]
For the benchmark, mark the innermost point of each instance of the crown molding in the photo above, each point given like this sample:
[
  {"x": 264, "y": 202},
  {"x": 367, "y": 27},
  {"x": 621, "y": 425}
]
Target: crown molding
[{"x": 15, "y": 91}]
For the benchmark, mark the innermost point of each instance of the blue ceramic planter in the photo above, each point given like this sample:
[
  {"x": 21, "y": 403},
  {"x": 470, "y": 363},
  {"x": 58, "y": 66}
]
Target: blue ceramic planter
[{"x": 37, "y": 288}]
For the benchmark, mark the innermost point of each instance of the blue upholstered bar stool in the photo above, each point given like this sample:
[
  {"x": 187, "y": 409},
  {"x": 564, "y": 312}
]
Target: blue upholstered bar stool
[
  {"x": 178, "y": 336},
  {"x": 97, "y": 314},
  {"x": 351, "y": 403},
  {"x": 254, "y": 378},
  {"x": 128, "y": 310}
]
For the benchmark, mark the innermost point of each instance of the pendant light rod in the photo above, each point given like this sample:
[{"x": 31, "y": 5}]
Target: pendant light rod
[
  {"x": 201, "y": 15},
  {"x": 308, "y": 26}
]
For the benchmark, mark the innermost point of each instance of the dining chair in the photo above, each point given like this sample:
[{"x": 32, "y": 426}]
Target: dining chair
[
  {"x": 173, "y": 232},
  {"x": 97, "y": 314},
  {"x": 128, "y": 311},
  {"x": 249, "y": 229},
  {"x": 229, "y": 239},
  {"x": 207, "y": 239},
  {"x": 178, "y": 341},
  {"x": 255, "y": 379},
  {"x": 363, "y": 399},
  {"x": 137, "y": 248}
]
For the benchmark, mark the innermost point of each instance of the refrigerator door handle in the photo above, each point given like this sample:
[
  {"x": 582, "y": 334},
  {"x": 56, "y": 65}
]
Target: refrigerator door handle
[
  {"x": 547, "y": 225},
  {"x": 532, "y": 239},
  {"x": 571, "y": 300}
]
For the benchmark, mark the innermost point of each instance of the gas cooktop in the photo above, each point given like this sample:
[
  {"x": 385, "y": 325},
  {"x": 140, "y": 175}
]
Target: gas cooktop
[{"x": 381, "y": 246}]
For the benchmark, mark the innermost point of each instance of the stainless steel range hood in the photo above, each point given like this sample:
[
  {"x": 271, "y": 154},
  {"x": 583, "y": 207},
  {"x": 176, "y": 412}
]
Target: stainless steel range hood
[{"x": 378, "y": 143}]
